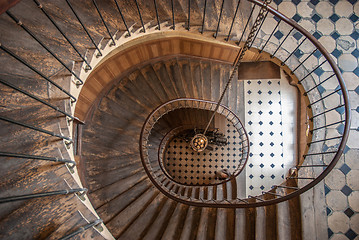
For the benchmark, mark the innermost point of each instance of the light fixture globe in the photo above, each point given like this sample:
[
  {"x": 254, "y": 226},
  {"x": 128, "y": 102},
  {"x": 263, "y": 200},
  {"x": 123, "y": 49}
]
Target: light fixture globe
[{"x": 199, "y": 142}]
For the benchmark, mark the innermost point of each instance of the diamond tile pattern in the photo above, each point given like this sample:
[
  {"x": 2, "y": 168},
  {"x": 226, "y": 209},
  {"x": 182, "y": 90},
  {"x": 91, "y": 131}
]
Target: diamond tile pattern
[
  {"x": 349, "y": 212},
  {"x": 270, "y": 103},
  {"x": 334, "y": 13},
  {"x": 346, "y": 190},
  {"x": 195, "y": 168}
]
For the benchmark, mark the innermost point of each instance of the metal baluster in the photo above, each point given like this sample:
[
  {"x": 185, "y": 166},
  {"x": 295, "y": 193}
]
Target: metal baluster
[
  {"x": 189, "y": 15},
  {"x": 328, "y": 125},
  {"x": 204, "y": 15},
  {"x": 36, "y": 98},
  {"x": 270, "y": 36},
  {"x": 249, "y": 196},
  {"x": 281, "y": 186},
  {"x": 104, "y": 23},
  {"x": 52, "y": 159},
  {"x": 326, "y": 111},
  {"x": 173, "y": 16},
  {"x": 312, "y": 71},
  {"x": 245, "y": 28},
  {"x": 308, "y": 178},
  {"x": 219, "y": 20},
  {"x": 310, "y": 105},
  {"x": 315, "y": 165},
  {"x": 300, "y": 44},
  {"x": 259, "y": 29},
  {"x": 139, "y": 13},
  {"x": 306, "y": 93},
  {"x": 323, "y": 140},
  {"x": 123, "y": 19},
  {"x": 36, "y": 129},
  {"x": 82, "y": 229},
  {"x": 83, "y": 26},
  {"x": 272, "y": 56},
  {"x": 36, "y": 71},
  {"x": 158, "y": 18},
  {"x": 274, "y": 194},
  {"x": 17, "y": 21},
  {"x": 38, "y": 195},
  {"x": 304, "y": 61},
  {"x": 88, "y": 66},
  {"x": 234, "y": 18}
]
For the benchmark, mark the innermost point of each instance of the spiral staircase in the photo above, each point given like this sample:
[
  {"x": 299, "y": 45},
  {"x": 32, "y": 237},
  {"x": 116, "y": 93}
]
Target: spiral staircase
[{"x": 91, "y": 91}]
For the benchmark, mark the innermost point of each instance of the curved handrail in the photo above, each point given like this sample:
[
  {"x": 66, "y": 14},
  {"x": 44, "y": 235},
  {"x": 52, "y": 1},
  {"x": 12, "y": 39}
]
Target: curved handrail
[
  {"x": 145, "y": 134},
  {"x": 343, "y": 88},
  {"x": 251, "y": 201},
  {"x": 171, "y": 133}
]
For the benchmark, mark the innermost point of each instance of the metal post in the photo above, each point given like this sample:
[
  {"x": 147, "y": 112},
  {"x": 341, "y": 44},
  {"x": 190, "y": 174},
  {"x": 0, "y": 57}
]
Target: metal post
[
  {"x": 38, "y": 195},
  {"x": 259, "y": 29},
  {"x": 219, "y": 20},
  {"x": 323, "y": 140},
  {"x": 18, "y": 22},
  {"x": 36, "y": 157},
  {"x": 204, "y": 15},
  {"x": 123, "y": 19},
  {"x": 310, "y": 105},
  {"x": 104, "y": 23},
  {"x": 326, "y": 111},
  {"x": 300, "y": 44},
  {"x": 158, "y": 19},
  {"x": 189, "y": 15},
  {"x": 139, "y": 13},
  {"x": 173, "y": 15},
  {"x": 245, "y": 27},
  {"x": 234, "y": 18},
  {"x": 304, "y": 60},
  {"x": 312, "y": 71},
  {"x": 270, "y": 36},
  {"x": 83, "y": 26},
  {"x": 328, "y": 125},
  {"x": 36, "y": 71},
  {"x": 36, "y": 98},
  {"x": 282, "y": 43},
  {"x": 88, "y": 67},
  {"x": 35, "y": 128},
  {"x": 306, "y": 93},
  {"x": 82, "y": 229}
]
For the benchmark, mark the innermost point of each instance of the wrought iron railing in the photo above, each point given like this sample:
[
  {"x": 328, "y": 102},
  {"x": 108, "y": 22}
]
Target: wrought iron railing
[
  {"x": 183, "y": 103},
  {"x": 153, "y": 164},
  {"x": 324, "y": 147}
]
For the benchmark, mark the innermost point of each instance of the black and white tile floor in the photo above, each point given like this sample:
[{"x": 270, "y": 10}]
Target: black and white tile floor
[
  {"x": 270, "y": 121},
  {"x": 335, "y": 23},
  {"x": 195, "y": 168}
]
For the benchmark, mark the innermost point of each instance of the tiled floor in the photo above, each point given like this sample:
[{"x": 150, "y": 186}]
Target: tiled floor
[
  {"x": 335, "y": 24},
  {"x": 270, "y": 118},
  {"x": 195, "y": 168}
]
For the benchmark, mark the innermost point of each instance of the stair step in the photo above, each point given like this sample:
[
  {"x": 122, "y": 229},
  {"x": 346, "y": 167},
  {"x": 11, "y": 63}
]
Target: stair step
[
  {"x": 160, "y": 223},
  {"x": 108, "y": 192},
  {"x": 260, "y": 228},
  {"x": 110, "y": 177},
  {"x": 43, "y": 221},
  {"x": 165, "y": 80},
  {"x": 109, "y": 209},
  {"x": 174, "y": 71},
  {"x": 176, "y": 222},
  {"x": 143, "y": 222},
  {"x": 240, "y": 225},
  {"x": 122, "y": 220}
]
